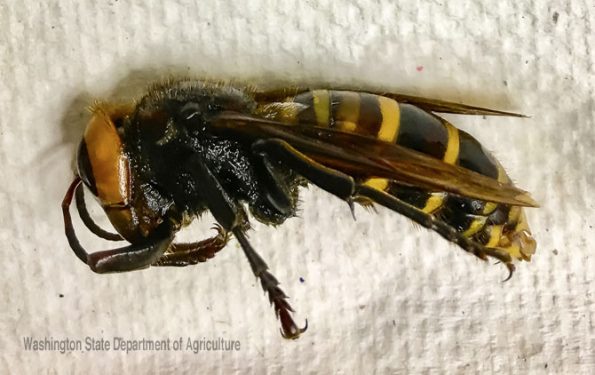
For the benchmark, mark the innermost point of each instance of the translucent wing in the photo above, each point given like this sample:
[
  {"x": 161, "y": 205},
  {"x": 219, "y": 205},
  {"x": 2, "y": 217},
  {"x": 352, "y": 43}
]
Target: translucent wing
[
  {"x": 427, "y": 104},
  {"x": 367, "y": 157},
  {"x": 435, "y": 105}
]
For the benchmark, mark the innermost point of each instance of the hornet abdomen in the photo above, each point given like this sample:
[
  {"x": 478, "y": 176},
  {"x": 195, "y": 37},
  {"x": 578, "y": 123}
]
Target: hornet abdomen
[{"x": 492, "y": 225}]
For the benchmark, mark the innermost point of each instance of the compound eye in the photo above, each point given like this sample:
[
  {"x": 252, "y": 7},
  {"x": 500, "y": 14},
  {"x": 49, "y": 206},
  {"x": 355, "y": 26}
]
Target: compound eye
[{"x": 84, "y": 167}]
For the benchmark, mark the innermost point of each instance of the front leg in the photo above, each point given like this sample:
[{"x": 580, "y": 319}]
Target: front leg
[
  {"x": 128, "y": 258},
  {"x": 81, "y": 207}
]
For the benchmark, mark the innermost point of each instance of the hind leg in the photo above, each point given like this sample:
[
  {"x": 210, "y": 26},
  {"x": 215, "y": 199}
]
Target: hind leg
[{"x": 344, "y": 187}]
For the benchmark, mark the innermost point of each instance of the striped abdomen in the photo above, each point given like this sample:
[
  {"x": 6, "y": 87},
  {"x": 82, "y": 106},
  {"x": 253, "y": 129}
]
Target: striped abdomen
[{"x": 489, "y": 224}]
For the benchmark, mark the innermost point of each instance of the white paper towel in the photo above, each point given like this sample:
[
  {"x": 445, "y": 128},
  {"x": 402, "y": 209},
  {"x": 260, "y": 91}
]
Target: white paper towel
[{"x": 378, "y": 293}]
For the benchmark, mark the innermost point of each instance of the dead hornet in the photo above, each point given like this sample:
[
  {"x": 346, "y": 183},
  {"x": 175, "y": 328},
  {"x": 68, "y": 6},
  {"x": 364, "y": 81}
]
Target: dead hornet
[{"x": 189, "y": 146}]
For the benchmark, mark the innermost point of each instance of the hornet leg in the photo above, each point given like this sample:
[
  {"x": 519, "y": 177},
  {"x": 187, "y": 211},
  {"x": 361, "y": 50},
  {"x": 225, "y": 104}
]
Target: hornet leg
[
  {"x": 81, "y": 207},
  {"x": 337, "y": 183},
  {"x": 128, "y": 258},
  {"x": 344, "y": 187},
  {"x": 184, "y": 254},
  {"x": 230, "y": 215},
  {"x": 431, "y": 222},
  {"x": 178, "y": 255}
]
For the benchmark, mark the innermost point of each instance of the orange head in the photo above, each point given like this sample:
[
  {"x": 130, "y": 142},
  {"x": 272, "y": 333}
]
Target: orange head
[{"x": 104, "y": 168}]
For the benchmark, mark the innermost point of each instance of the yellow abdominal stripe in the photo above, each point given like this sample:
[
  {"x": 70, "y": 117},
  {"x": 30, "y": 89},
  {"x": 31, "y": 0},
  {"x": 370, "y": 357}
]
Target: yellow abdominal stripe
[
  {"x": 452, "y": 148},
  {"x": 434, "y": 202},
  {"x": 321, "y": 101},
  {"x": 495, "y": 234},
  {"x": 451, "y": 155},
  {"x": 476, "y": 225},
  {"x": 391, "y": 119},
  {"x": 377, "y": 183},
  {"x": 389, "y": 129},
  {"x": 502, "y": 177},
  {"x": 347, "y": 113}
]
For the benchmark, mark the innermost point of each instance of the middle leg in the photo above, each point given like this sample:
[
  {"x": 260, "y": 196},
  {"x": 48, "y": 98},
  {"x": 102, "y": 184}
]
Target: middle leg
[{"x": 231, "y": 216}]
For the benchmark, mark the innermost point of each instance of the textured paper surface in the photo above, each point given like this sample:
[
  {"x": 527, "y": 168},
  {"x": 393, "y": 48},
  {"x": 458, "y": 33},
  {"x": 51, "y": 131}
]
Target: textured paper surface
[{"x": 378, "y": 293}]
